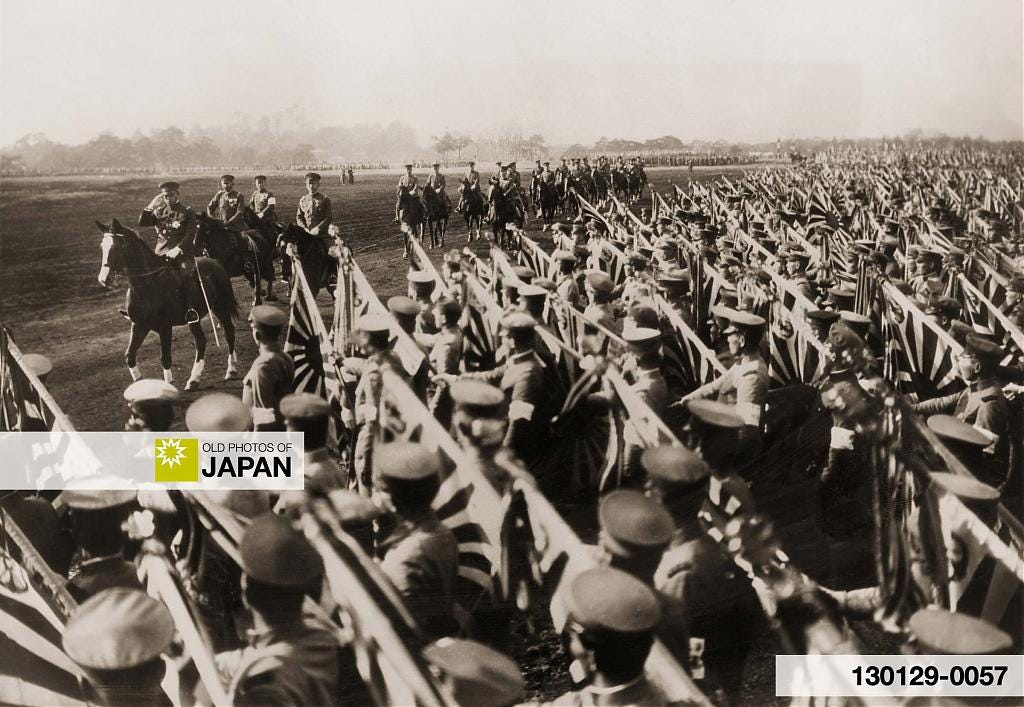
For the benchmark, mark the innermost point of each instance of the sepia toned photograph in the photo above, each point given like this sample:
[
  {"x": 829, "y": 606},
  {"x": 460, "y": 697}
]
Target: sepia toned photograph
[{"x": 545, "y": 353}]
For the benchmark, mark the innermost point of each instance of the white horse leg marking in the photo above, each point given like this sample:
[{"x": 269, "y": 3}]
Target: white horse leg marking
[
  {"x": 195, "y": 375},
  {"x": 232, "y": 371},
  {"x": 168, "y": 375},
  {"x": 136, "y": 372}
]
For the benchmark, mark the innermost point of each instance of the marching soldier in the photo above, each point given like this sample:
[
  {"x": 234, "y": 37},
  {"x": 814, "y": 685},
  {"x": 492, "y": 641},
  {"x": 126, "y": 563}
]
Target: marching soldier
[
  {"x": 471, "y": 181},
  {"x": 421, "y": 555},
  {"x": 118, "y": 638},
  {"x": 713, "y": 432},
  {"x": 797, "y": 260},
  {"x": 600, "y": 311},
  {"x": 407, "y": 183},
  {"x": 290, "y": 657},
  {"x": 745, "y": 384},
  {"x": 612, "y": 621},
  {"x": 271, "y": 375},
  {"x": 566, "y": 288},
  {"x": 407, "y": 313},
  {"x": 311, "y": 415},
  {"x": 227, "y": 205},
  {"x": 445, "y": 355},
  {"x": 421, "y": 288},
  {"x": 263, "y": 202},
  {"x": 314, "y": 213}
]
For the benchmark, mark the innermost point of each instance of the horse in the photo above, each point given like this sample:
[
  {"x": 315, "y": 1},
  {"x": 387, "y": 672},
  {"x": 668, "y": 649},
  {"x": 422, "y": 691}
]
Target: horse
[
  {"x": 620, "y": 185},
  {"x": 437, "y": 211},
  {"x": 247, "y": 254},
  {"x": 600, "y": 187},
  {"x": 474, "y": 207},
  {"x": 159, "y": 297},
  {"x": 411, "y": 212},
  {"x": 549, "y": 200},
  {"x": 636, "y": 185},
  {"x": 503, "y": 213},
  {"x": 312, "y": 253}
]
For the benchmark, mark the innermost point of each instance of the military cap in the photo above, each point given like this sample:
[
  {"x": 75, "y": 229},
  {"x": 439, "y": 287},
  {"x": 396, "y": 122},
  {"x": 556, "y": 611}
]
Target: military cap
[
  {"x": 146, "y": 391},
  {"x": 218, "y": 412},
  {"x": 274, "y": 553},
  {"x": 546, "y": 283},
  {"x": 674, "y": 464},
  {"x": 435, "y": 164},
  {"x": 374, "y": 323},
  {"x": 959, "y": 331},
  {"x": 472, "y": 163},
  {"x": 929, "y": 253},
  {"x": 259, "y": 177},
  {"x": 798, "y": 255},
  {"x": 733, "y": 199},
  {"x": 955, "y": 429},
  {"x": 826, "y": 316},
  {"x": 730, "y": 260},
  {"x": 498, "y": 164},
  {"x": 982, "y": 348},
  {"x": 524, "y": 273},
  {"x": 581, "y": 252},
  {"x": 227, "y": 176},
  {"x": 532, "y": 292},
  {"x": 665, "y": 220},
  {"x": 408, "y": 165},
  {"x": 518, "y": 321},
  {"x": 304, "y": 406},
  {"x": 940, "y": 304},
  {"x": 841, "y": 294},
  {"x": 88, "y": 499},
  {"x": 641, "y": 336},
  {"x": 267, "y": 316},
  {"x": 643, "y": 316},
  {"x": 477, "y": 674},
  {"x": 600, "y": 282},
  {"x": 564, "y": 228},
  {"x": 943, "y": 632},
  {"x": 609, "y": 600},
  {"x": 964, "y": 487},
  {"x": 169, "y": 185},
  {"x": 312, "y": 176},
  {"x": 37, "y": 363},
  {"x": 638, "y": 260},
  {"x": 476, "y": 396},
  {"x": 858, "y": 323},
  {"x": 714, "y": 413},
  {"x": 512, "y": 164},
  {"x": 453, "y": 256},
  {"x": 419, "y": 277},
  {"x": 739, "y": 319},
  {"x": 407, "y": 461},
  {"x": 402, "y": 305},
  {"x": 118, "y": 628},
  {"x": 1016, "y": 284},
  {"x": 352, "y": 508},
  {"x": 841, "y": 338},
  {"x": 634, "y": 524},
  {"x": 674, "y": 279},
  {"x": 546, "y": 163},
  {"x": 449, "y": 306}
]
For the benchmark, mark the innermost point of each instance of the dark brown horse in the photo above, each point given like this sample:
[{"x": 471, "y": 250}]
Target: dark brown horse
[
  {"x": 161, "y": 296},
  {"x": 311, "y": 251},
  {"x": 249, "y": 254},
  {"x": 410, "y": 211},
  {"x": 473, "y": 210},
  {"x": 437, "y": 210},
  {"x": 548, "y": 203}
]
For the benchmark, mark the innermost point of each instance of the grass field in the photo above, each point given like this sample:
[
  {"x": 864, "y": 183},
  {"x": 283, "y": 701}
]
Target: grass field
[{"x": 53, "y": 305}]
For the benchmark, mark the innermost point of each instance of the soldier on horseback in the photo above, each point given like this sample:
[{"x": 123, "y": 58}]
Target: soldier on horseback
[
  {"x": 437, "y": 181},
  {"x": 227, "y": 205},
  {"x": 176, "y": 227},
  {"x": 262, "y": 202},
  {"x": 314, "y": 214},
  {"x": 470, "y": 181},
  {"x": 407, "y": 183}
]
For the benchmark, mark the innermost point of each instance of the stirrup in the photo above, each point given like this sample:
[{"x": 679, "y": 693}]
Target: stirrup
[{"x": 192, "y": 316}]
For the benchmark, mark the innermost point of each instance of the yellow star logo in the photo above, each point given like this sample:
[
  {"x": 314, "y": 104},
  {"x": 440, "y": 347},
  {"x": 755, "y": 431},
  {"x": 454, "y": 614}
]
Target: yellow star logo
[{"x": 176, "y": 459}]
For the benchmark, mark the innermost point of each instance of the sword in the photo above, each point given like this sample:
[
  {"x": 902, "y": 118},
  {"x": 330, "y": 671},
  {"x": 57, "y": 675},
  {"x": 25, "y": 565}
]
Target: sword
[{"x": 209, "y": 311}]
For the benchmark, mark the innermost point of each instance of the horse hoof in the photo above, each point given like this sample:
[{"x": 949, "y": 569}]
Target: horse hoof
[
  {"x": 230, "y": 374},
  {"x": 192, "y": 384}
]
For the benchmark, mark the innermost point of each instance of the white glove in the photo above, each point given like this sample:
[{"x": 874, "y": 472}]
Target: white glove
[{"x": 173, "y": 252}]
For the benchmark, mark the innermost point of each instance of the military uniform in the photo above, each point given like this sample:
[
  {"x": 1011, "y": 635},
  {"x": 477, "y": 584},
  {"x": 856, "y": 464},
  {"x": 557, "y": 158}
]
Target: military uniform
[
  {"x": 176, "y": 227},
  {"x": 446, "y": 351},
  {"x": 314, "y": 212},
  {"x": 264, "y": 203},
  {"x": 421, "y": 555},
  {"x": 271, "y": 376},
  {"x": 99, "y": 573},
  {"x": 437, "y": 181},
  {"x": 228, "y": 207}
]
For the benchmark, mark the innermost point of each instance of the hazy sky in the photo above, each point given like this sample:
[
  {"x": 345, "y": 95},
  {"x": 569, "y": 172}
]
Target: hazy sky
[{"x": 572, "y": 70}]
